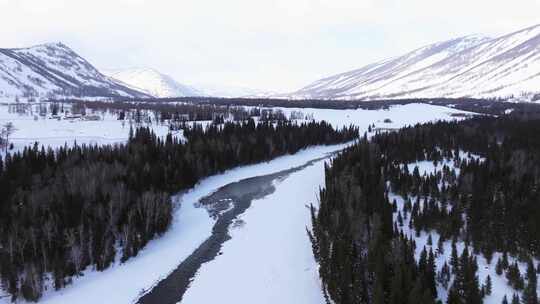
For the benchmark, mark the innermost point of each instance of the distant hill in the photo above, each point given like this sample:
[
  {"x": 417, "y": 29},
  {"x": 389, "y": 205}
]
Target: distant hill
[
  {"x": 471, "y": 66},
  {"x": 55, "y": 71},
  {"x": 153, "y": 83}
]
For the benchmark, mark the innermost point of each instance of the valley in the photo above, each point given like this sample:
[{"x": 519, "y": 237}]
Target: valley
[
  {"x": 199, "y": 220},
  {"x": 291, "y": 152}
]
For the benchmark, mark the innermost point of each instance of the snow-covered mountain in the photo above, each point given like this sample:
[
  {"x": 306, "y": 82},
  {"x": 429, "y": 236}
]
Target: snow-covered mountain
[
  {"x": 233, "y": 91},
  {"x": 153, "y": 82},
  {"x": 54, "y": 70},
  {"x": 471, "y": 66}
]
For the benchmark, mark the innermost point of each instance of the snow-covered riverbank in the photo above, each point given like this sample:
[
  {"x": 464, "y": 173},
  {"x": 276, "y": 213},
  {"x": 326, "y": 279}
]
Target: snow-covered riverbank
[
  {"x": 269, "y": 258},
  {"x": 124, "y": 283},
  {"x": 270, "y": 255}
]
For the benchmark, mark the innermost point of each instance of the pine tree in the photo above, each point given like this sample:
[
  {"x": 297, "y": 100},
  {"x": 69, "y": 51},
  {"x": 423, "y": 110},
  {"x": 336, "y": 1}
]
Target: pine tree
[
  {"x": 488, "y": 285},
  {"x": 453, "y": 297},
  {"x": 466, "y": 280},
  {"x": 499, "y": 267},
  {"x": 445, "y": 275},
  {"x": 440, "y": 245},
  {"x": 431, "y": 269},
  {"x": 505, "y": 262},
  {"x": 530, "y": 295},
  {"x": 454, "y": 260},
  {"x": 514, "y": 276}
]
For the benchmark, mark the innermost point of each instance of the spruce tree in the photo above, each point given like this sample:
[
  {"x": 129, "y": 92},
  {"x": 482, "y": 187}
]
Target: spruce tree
[
  {"x": 400, "y": 219},
  {"x": 453, "y": 296},
  {"x": 440, "y": 245},
  {"x": 530, "y": 295},
  {"x": 488, "y": 285},
  {"x": 454, "y": 260},
  {"x": 505, "y": 262},
  {"x": 431, "y": 270},
  {"x": 499, "y": 267}
]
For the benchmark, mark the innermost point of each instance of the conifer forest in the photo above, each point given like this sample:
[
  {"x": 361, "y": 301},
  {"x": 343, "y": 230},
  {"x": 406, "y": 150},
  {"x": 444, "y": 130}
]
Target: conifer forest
[{"x": 467, "y": 191}]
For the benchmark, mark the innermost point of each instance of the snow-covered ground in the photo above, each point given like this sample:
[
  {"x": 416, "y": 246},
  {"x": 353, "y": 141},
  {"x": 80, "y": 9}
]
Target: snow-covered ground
[
  {"x": 31, "y": 128},
  {"x": 270, "y": 256},
  {"x": 427, "y": 167},
  {"x": 400, "y": 115}
]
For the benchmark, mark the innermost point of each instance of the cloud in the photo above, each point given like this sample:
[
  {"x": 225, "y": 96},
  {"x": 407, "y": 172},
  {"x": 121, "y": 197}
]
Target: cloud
[{"x": 277, "y": 45}]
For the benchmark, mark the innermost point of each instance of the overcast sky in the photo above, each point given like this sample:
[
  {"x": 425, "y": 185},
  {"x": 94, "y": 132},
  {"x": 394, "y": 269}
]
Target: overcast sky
[{"x": 277, "y": 45}]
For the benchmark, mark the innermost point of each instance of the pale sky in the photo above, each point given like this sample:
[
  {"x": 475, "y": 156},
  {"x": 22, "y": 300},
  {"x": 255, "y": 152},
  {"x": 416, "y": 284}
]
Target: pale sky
[{"x": 277, "y": 45}]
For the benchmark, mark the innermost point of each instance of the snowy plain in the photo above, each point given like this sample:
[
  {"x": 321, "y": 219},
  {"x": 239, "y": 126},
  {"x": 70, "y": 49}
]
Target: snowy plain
[
  {"x": 399, "y": 116},
  {"x": 274, "y": 228},
  {"x": 30, "y": 128}
]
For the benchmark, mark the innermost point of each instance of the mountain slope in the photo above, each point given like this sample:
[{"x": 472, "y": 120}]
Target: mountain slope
[
  {"x": 153, "y": 83},
  {"x": 470, "y": 66},
  {"x": 54, "y": 70},
  {"x": 233, "y": 91}
]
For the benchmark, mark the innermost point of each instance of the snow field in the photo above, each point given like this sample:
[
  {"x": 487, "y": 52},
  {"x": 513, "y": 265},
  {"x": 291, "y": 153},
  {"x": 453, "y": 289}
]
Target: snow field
[
  {"x": 57, "y": 133},
  {"x": 400, "y": 116}
]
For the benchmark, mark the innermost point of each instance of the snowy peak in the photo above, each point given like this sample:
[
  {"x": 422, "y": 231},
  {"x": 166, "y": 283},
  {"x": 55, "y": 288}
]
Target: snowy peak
[
  {"x": 54, "y": 70},
  {"x": 234, "y": 91},
  {"x": 153, "y": 83},
  {"x": 160, "y": 85},
  {"x": 470, "y": 66}
]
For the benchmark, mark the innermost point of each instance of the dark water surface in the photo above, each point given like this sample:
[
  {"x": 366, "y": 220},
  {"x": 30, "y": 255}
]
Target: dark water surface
[{"x": 225, "y": 205}]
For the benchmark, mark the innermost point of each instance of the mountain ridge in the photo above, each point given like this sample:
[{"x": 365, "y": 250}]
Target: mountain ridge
[
  {"x": 468, "y": 66},
  {"x": 53, "y": 70},
  {"x": 153, "y": 82}
]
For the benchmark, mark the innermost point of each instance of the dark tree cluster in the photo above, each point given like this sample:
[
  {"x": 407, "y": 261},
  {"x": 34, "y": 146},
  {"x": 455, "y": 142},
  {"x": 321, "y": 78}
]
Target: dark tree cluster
[
  {"x": 362, "y": 258},
  {"x": 494, "y": 201},
  {"x": 487, "y": 197},
  {"x": 64, "y": 211}
]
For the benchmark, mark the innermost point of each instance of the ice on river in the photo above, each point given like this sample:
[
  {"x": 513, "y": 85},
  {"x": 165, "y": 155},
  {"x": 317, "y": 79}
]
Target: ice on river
[{"x": 269, "y": 258}]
